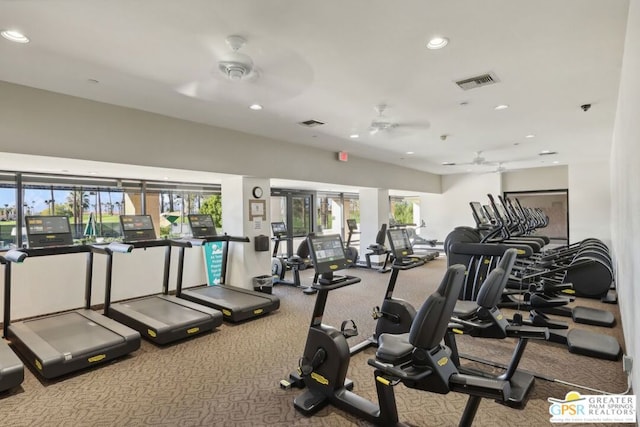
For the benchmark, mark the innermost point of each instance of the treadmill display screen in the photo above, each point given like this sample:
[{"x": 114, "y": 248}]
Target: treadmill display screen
[
  {"x": 137, "y": 227},
  {"x": 43, "y": 231},
  {"x": 400, "y": 243},
  {"x": 327, "y": 253},
  {"x": 202, "y": 225},
  {"x": 279, "y": 228},
  {"x": 352, "y": 224}
]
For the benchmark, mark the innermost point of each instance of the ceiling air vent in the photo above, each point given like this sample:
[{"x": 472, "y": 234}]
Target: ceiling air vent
[
  {"x": 311, "y": 123},
  {"x": 478, "y": 81}
]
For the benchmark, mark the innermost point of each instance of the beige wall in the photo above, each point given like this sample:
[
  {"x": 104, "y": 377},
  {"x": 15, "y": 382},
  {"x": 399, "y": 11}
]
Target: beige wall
[
  {"x": 625, "y": 198},
  {"x": 44, "y": 123}
]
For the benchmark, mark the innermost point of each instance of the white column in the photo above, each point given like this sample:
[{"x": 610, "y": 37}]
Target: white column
[
  {"x": 244, "y": 262},
  {"x": 374, "y": 211}
]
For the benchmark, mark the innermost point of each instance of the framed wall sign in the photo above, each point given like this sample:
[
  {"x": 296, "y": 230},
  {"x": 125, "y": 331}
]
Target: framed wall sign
[{"x": 257, "y": 209}]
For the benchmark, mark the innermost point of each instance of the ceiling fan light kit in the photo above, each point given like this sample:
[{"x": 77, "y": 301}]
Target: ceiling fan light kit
[{"x": 236, "y": 65}]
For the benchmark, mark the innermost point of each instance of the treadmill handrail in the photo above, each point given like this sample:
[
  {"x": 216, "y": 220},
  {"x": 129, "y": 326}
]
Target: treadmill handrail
[
  {"x": 152, "y": 243},
  {"x": 226, "y": 238},
  {"x": 54, "y": 250},
  {"x": 113, "y": 247},
  {"x": 13, "y": 255},
  {"x": 188, "y": 242}
]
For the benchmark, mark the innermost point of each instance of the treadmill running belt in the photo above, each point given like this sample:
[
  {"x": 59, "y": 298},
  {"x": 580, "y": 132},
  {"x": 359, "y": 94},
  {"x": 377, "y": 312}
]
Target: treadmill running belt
[
  {"x": 163, "y": 310},
  {"x": 73, "y": 333},
  {"x": 231, "y": 299}
]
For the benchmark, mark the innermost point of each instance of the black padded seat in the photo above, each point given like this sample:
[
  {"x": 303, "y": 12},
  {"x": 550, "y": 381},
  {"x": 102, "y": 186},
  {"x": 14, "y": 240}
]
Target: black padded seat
[
  {"x": 593, "y": 316},
  {"x": 394, "y": 349},
  {"x": 429, "y": 325},
  {"x": 465, "y": 309}
]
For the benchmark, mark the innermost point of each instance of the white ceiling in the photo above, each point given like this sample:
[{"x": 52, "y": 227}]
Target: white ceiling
[{"x": 335, "y": 60}]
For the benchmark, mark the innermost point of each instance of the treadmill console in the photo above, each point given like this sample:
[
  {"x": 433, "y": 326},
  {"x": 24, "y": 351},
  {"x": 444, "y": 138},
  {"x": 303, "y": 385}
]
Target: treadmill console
[
  {"x": 44, "y": 231},
  {"x": 137, "y": 227},
  {"x": 202, "y": 225}
]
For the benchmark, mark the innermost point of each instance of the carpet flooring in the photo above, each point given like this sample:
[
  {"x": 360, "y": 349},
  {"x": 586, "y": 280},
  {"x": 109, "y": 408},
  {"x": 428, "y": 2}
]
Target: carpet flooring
[{"x": 230, "y": 377}]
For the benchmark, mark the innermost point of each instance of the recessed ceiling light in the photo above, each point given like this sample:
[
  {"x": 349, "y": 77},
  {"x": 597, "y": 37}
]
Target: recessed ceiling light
[
  {"x": 448, "y": 163},
  {"x": 255, "y": 107},
  {"x": 93, "y": 173},
  {"x": 530, "y": 136},
  {"x": 555, "y": 162},
  {"x": 14, "y": 36},
  {"x": 166, "y": 178},
  {"x": 547, "y": 153},
  {"x": 501, "y": 107},
  {"x": 410, "y": 152},
  {"x": 437, "y": 43},
  {"x": 354, "y": 136}
]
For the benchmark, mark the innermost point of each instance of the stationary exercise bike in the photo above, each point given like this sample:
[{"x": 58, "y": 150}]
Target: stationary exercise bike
[
  {"x": 395, "y": 315},
  {"x": 378, "y": 249},
  {"x": 417, "y": 359},
  {"x": 280, "y": 264}
]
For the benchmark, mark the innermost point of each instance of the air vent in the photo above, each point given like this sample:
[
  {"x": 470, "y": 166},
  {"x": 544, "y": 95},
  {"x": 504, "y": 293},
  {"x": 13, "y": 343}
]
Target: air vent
[
  {"x": 311, "y": 123},
  {"x": 478, "y": 81}
]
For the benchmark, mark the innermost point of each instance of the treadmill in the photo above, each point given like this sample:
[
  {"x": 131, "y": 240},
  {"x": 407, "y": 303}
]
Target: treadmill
[
  {"x": 163, "y": 318},
  {"x": 66, "y": 342},
  {"x": 11, "y": 367},
  {"x": 237, "y": 304}
]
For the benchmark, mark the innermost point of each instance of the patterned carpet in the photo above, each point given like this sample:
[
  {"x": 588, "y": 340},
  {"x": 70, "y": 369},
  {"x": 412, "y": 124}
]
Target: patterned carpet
[{"x": 230, "y": 377}]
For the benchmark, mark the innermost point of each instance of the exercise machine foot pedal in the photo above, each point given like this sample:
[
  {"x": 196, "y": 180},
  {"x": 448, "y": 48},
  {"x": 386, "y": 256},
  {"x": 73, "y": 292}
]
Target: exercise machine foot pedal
[
  {"x": 593, "y": 316},
  {"x": 349, "y": 332}
]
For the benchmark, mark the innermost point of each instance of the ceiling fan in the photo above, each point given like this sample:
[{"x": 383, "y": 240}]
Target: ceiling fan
[
  {"x": 235, "y": 65},
  {"x": 383, "y": 124},
  {"x": 477, "y": 160},
  {"x": 256, "y": 72}
]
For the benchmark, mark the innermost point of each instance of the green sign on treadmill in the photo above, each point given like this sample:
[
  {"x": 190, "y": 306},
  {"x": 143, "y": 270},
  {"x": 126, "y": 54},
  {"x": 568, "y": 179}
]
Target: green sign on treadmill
[{"x": 213, "y": 262}]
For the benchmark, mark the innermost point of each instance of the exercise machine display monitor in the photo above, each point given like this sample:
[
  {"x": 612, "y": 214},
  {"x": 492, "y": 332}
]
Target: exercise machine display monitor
[
  {"x": 137, "y": 227},
  {"x": 279, "y": 228},
  {"x": 202, "y": 225},
  {"x": 400, "y": 243},
  {"x": 327, "y": 253},
  {"x": 44, "y": 231}
]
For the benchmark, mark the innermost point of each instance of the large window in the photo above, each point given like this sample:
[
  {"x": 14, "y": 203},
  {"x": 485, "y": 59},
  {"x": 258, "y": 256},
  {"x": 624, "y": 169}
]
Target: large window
[
  {"x": 94, "y": 205},
  {"x": 177, "y": 203},
  {"x": 402, "y": 210}
]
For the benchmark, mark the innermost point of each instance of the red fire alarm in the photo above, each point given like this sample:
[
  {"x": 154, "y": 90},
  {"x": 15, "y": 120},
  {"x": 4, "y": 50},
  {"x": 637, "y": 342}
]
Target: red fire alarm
[{"x": 343, "y": 156}]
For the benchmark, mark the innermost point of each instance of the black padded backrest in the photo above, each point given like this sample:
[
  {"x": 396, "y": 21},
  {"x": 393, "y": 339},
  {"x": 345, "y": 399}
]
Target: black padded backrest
[
  {"x": 303, "y": 249},
  {"x": 382, "y": 233},
  {"x": 431, "y": 321},
  {"x": 508, "y": 260},
  {"x": 491, "y": 289}
]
